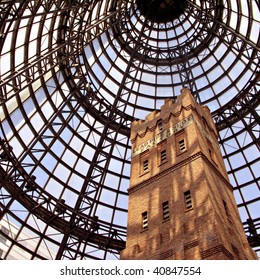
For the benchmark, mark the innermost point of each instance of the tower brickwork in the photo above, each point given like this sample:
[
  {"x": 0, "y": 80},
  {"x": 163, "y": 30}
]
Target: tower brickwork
[{"x": 181, "y": 204}]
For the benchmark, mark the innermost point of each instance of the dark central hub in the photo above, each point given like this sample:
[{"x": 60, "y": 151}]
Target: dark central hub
[{"x": 162, "y": 10}]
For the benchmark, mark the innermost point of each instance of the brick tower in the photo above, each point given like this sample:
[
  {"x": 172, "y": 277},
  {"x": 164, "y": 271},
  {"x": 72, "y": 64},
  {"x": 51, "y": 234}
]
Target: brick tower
[{"x": 181, "y": 204}]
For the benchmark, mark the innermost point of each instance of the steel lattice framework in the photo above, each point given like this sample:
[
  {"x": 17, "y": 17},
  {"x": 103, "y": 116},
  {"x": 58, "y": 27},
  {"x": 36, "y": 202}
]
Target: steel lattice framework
[{"x": 75, "y": 74}]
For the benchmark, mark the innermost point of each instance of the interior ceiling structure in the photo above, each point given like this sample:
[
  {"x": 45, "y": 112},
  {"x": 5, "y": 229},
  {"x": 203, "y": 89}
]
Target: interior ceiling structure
[{"x": 74, "y": 74}]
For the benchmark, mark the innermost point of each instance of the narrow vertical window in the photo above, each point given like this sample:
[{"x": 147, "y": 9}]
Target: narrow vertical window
[
  {"x": 160, "y": 125},
  {"x": 182, "y": 145},
  {"x": 226, "y": 209},
  {"x": 211, "y": 152},
  {"x": 188, "y": 200},
  {"x": 180, "y": 142},
  {"x": 163, "y": 156},
  {"x": 145, "y": 165},
  {"x": 144, "y": 220},
  {"x": 165, "y": 207}
]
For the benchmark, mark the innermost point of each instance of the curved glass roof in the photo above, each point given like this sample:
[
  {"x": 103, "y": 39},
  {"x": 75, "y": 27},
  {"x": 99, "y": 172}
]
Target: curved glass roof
[{"x": 74, "y": 74}]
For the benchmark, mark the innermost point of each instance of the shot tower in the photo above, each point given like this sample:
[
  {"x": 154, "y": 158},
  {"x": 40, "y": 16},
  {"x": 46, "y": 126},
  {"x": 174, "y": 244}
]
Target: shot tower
[{"x": 181, "y": 204}]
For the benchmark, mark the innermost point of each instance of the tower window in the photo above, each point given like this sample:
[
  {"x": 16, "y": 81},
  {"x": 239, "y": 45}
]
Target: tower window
[
  {"x": 160, "y": 125},
  {"x": 166, "y": 213},
  {"x": 145, "y": 220},
  {"x": 163, "y": 156},
  {"x": 211, "y": 152},
  {"x": 226, "y": 210},
  {"x": 188, "y": 200},
  {"x": 162, "y": 152},
  {"x": 182, "y": 145},
  {"x": 145, "y": 165},
  {"x": 180, "y": 142}
]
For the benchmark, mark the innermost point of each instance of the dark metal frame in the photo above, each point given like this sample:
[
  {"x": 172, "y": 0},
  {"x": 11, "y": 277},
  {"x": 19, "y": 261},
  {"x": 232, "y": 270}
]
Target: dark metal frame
[{"x": 60, "y": 86}]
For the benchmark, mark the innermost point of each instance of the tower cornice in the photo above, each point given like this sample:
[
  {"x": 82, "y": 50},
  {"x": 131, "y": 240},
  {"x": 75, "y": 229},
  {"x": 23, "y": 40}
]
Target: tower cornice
[{"x": 177, "y": 166}]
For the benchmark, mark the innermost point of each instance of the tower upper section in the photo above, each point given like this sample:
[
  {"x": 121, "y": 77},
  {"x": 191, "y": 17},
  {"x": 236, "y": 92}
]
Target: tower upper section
[{"x": 166, "y": 137}]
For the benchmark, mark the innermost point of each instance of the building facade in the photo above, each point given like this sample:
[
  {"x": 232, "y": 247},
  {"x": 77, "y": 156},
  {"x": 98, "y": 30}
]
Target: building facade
[{"x": 181, "y": 204}]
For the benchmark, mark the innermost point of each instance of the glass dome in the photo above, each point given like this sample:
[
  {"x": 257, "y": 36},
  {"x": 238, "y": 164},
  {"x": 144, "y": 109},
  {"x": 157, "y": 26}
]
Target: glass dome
[{"x": 75, "y": 74}]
